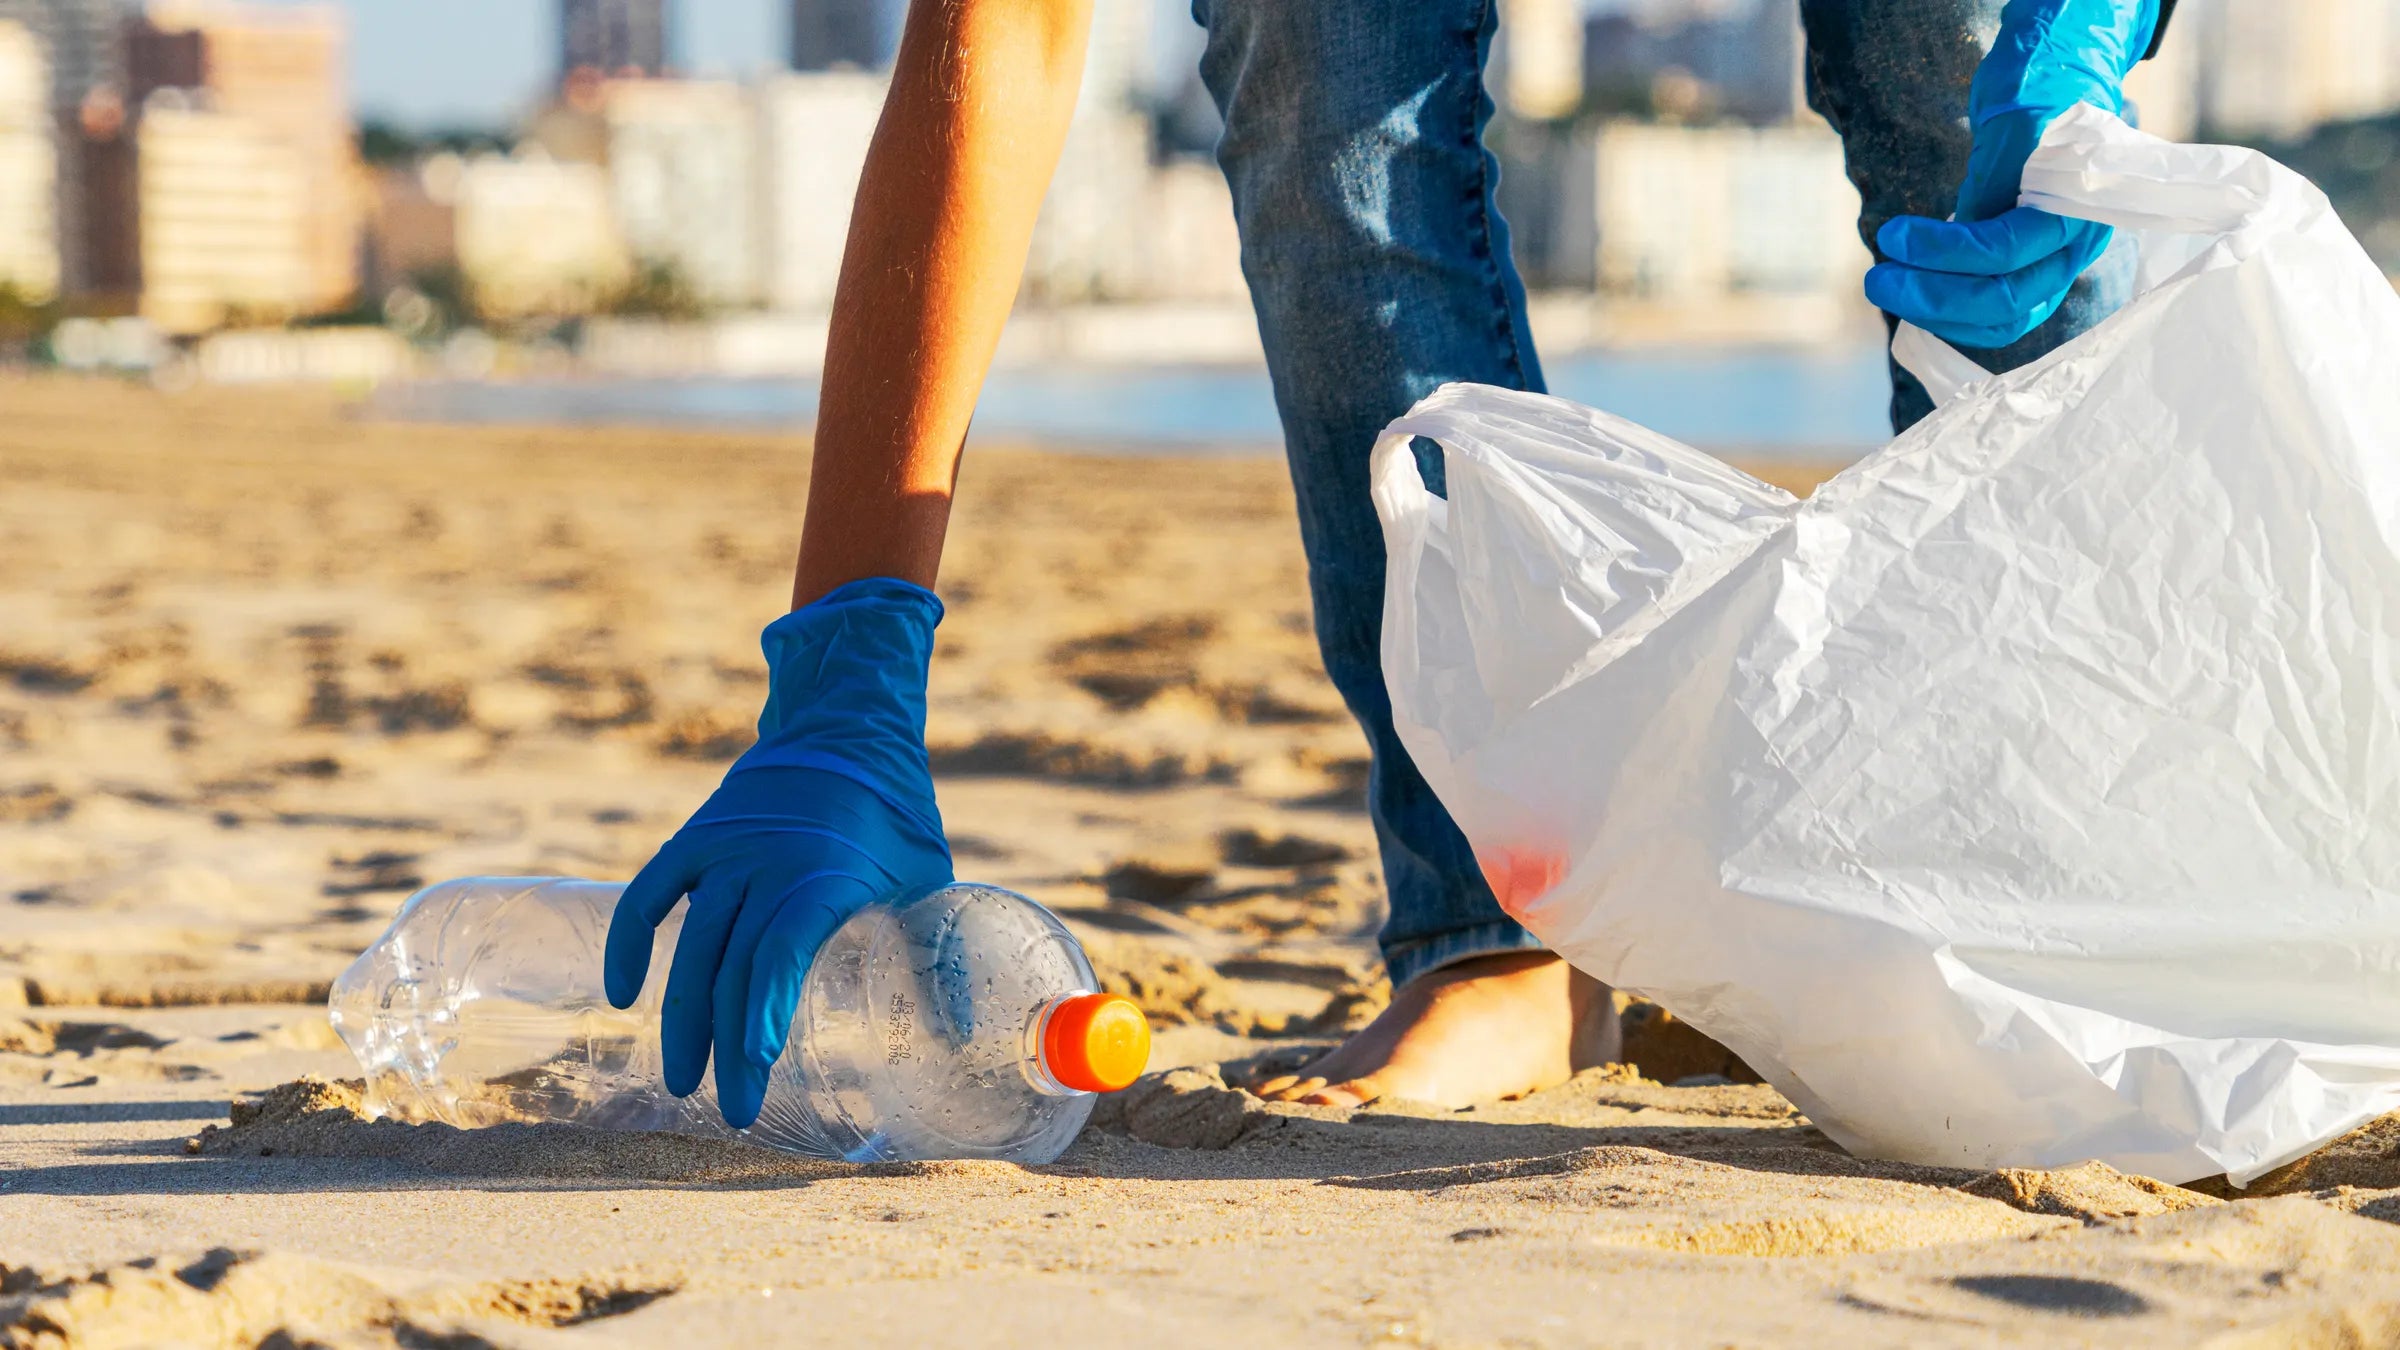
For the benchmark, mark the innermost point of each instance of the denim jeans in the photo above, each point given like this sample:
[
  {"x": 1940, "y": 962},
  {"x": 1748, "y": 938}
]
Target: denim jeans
[{"x": 1380, "y": 270}]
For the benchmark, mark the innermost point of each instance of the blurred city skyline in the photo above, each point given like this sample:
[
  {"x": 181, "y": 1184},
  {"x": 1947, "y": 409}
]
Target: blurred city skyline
[
  {"x": 663, "y": 185},
  {"x": 406, "y": 67}
]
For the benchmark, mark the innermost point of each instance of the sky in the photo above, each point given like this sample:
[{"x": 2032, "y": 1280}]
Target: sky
[
  {"x": 442, "y": 63},
  {"x": 435, "y": 63}
]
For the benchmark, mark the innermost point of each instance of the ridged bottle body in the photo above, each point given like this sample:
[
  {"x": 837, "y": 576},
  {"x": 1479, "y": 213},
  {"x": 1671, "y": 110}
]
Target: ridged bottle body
[{"x": 918, "y": 1034}]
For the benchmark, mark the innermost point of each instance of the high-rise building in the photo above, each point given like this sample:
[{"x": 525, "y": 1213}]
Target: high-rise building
[
  {"x": 1116, "y": 63},
  {"x": 1689, "y": 213},
  {"x": 2164, "y": 91},
  {"x": 80, "y": 39},
  {"x": 1538, "y": 66},
  {"x": 412, "y": 224},
  {"x": 224, "y": 219},
  {"x": 537, "y": 237},
  {"x": 28, "y": 166},
  {"x": 834, "y": 34},
  {"x": 1194, "y": 253},
  {"x": 282, "y": 69},
  {"x": 1092, "y": 240},
  {"x": 2279, "y": 70},
  {"x": 1741, "y": 57},
  {"x": 682, "y": 169},
  {"x": 813, "y": 132},
  {"x": 1089, "y": 243},
  {"x": 612, "y": 38}
]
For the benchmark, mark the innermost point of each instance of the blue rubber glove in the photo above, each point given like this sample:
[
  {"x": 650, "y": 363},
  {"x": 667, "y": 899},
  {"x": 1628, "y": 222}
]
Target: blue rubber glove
[
  {"x": 1997, "y": 270},
  {"x": 830, "y": 811}
]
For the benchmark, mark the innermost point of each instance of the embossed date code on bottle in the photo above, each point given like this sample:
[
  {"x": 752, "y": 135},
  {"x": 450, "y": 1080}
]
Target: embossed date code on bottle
[{"x": 898, "y": 1028}]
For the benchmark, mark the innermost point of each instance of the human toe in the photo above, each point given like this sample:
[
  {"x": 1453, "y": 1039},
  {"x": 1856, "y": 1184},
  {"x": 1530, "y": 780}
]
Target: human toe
[
  {"x": 1355, "y": 1092},
  {"x": 1294, "y": 1089}
]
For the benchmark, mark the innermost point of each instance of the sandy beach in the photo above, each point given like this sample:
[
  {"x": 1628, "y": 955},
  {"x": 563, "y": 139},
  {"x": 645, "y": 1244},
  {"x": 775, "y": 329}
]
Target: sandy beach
[{"x": 267, "y": 668}]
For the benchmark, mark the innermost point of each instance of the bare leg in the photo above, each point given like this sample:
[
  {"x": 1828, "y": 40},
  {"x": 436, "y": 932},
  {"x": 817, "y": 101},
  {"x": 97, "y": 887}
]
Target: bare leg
[{"x": 1380, "y": 269}]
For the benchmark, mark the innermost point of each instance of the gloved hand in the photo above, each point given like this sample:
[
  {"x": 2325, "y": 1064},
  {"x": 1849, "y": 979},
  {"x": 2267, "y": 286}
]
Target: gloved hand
[
  {"x": 1997, "y": 270},
  {"x": 831, "y": 810}
]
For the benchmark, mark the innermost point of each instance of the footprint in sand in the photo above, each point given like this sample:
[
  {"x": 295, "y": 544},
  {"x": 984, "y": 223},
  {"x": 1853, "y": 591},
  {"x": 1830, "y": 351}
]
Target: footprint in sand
[
  {"x": 276, "y": 1298},
  {"x": 1127, "y": 667},
  {"x": 67, "y": 1054},
  {"x": 1247, "y": 847},
  {"x": 34, "y": 804},
  {"x": 379, "y": 872}
]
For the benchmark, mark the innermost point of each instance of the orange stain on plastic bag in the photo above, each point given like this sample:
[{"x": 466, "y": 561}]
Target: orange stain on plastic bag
[{"x": 1519, "y": 877}]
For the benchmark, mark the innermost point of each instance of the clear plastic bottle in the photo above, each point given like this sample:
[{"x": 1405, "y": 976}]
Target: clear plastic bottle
[{"x": 964, "y": 1022}]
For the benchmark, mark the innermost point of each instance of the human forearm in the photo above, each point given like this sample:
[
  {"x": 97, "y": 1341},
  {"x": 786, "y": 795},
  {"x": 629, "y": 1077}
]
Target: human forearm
[{"x": 979, "y": 105}]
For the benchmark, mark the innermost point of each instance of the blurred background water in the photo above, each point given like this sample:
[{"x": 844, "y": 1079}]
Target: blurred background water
[{"x": 1813, "y": 402}]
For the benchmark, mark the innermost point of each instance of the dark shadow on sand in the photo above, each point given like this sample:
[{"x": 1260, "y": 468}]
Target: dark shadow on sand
[
  {"x": 103, "y": 1113},
  {"x": 1369, "y": 1151},
  {"x": 1189, "y": 1128}
]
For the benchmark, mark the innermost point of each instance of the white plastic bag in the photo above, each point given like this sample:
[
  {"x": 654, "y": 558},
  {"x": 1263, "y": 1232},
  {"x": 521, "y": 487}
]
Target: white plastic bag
[{"x": 2029, "y": 794}]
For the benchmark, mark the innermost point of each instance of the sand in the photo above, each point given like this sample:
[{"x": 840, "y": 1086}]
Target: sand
[{"x": 266, "y": 668}]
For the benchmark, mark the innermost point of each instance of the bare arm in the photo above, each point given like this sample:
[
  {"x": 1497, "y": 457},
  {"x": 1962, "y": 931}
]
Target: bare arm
[{"x": 970, "y": 134}]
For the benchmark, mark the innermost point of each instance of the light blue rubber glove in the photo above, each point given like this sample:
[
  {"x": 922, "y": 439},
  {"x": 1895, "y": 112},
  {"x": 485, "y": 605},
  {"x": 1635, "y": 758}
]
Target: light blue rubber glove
[
  {"x": 1997, "y": 270},
  {"x": 830, "y": 811}
]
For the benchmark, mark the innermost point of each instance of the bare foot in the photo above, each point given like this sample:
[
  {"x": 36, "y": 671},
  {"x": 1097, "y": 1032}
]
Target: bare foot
[{"x": 1497, "y": 1026}]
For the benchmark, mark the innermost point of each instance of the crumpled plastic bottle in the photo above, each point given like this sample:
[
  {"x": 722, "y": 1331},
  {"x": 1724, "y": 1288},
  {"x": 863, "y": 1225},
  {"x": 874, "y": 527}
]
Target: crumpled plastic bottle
[{"x": 963, "y": 1022}]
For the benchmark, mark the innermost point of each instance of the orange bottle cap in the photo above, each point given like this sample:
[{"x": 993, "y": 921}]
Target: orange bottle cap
[{"x": 1096, "y": 1042}]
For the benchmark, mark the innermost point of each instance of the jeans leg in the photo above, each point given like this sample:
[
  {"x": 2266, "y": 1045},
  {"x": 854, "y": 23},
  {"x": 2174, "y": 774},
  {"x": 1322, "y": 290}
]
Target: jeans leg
[
  {"x": 1380, "y": 270},
  {"x": 1891, "y": 76}
]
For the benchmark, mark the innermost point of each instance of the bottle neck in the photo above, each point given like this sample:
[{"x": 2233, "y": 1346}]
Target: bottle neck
[{"x": 1035, "y": 1060}]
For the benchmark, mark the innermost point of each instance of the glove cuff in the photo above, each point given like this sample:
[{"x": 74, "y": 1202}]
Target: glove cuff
[
  {"x": 861, "y": 652},
  {"x": 2052, "y": 54}
]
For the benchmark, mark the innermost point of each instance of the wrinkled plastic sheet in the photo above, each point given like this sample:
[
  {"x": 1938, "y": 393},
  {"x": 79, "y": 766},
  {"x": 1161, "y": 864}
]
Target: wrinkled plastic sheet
[{"x": 2030, "y": 793}]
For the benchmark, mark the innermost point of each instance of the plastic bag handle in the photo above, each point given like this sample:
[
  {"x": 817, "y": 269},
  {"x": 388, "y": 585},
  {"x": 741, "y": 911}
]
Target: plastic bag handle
[
  {"x": 2179, "y": 200},
  {"x": 2093, "y": 166},
  {"x": 1944, "y": 370},
  {"x": 1412, "y": 518},
  {"x": 1399, "y": 488}
]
